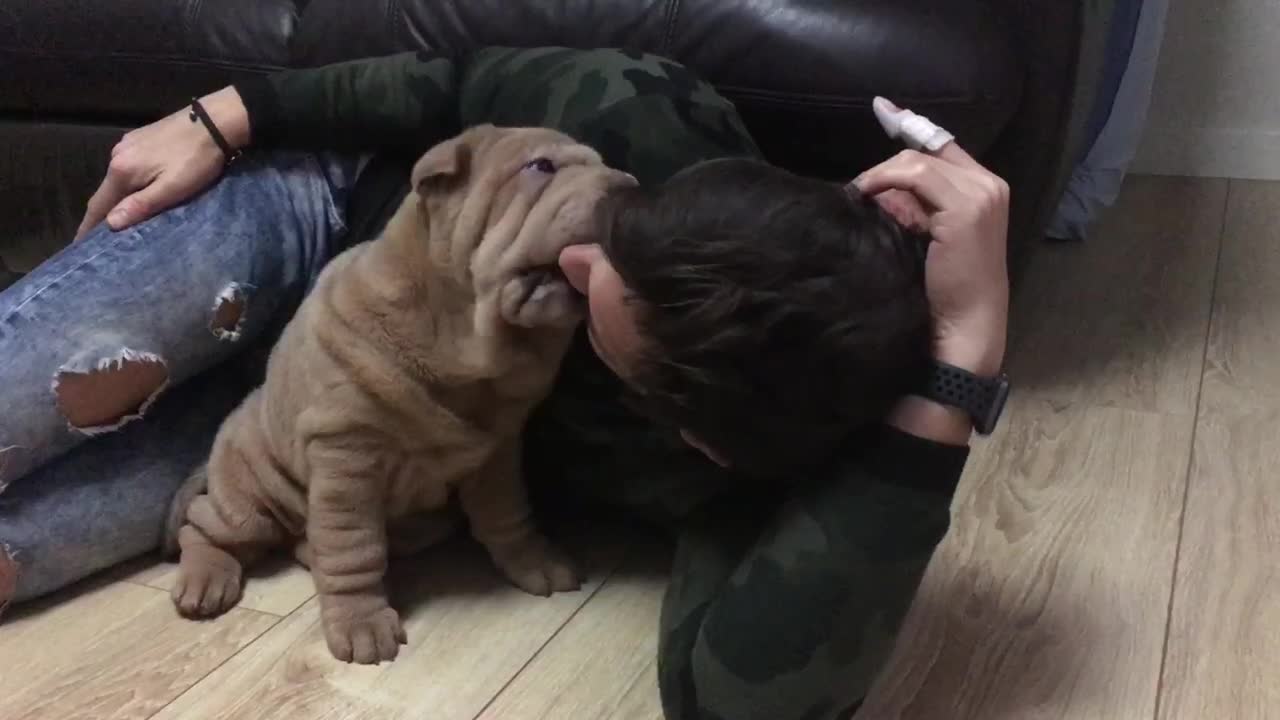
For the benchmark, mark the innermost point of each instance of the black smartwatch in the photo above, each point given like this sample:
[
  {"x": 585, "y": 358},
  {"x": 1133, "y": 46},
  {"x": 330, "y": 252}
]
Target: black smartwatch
[{"x": 982, "y": 398}]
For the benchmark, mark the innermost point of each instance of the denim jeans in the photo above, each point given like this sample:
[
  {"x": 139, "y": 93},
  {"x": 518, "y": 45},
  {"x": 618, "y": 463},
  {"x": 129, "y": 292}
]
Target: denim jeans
[{"x": 113, "y": 360}]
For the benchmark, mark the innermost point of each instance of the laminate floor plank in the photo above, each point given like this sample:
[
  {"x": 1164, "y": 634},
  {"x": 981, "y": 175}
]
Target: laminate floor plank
[{"x": 1224, "y": 639}]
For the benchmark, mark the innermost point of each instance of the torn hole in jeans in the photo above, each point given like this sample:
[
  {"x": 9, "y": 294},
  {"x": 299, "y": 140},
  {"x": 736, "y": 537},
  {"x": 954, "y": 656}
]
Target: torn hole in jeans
[
  {"x": 9, "y": 569},
  {"x": 229, "y": 312},
  {"x": 8, "y": 464},
  {"x": 107, "y": 395}
]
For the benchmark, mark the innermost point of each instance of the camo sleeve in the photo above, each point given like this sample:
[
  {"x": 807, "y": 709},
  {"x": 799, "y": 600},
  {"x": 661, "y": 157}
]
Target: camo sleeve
[
  {"x": 787, "y": 607},
  {"x": 645, "y": 114},
  {"x": 404, "y": 102}
]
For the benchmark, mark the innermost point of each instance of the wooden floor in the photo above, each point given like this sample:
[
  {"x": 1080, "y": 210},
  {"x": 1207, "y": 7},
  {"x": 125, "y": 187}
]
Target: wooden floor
[{"x": 1115, "y": 552}]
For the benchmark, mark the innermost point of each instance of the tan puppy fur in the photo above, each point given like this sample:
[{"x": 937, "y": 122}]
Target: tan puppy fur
[{"x": 404, "y": 382}]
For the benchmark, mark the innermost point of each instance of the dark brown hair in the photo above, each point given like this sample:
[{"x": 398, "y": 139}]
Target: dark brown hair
[{"x": 779, "y": 313}]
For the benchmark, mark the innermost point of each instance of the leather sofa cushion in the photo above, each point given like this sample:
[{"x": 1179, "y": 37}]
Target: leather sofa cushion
[{"x": 121, "y": 60}]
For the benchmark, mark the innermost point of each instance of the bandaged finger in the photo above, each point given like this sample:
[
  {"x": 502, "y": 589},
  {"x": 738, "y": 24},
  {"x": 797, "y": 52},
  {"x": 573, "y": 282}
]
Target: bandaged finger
[{"x": 915, "y": 131}]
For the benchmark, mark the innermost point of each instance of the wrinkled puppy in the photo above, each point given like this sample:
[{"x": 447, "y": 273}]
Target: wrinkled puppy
[{"x": 404, "y": 382}]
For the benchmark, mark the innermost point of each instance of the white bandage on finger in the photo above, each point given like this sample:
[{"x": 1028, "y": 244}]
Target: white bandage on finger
[{"x": 916, "y": 131}]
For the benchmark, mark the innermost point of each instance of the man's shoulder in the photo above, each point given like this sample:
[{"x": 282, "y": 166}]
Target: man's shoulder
[
  {"x": 645, "y": 113},
  {"x": 593, "y": 78}
]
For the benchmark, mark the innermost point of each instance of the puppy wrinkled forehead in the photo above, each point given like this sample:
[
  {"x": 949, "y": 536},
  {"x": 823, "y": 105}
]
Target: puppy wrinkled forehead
[
  {"x": 487, "y": 154},
  {"x": 532, "y": 143}
]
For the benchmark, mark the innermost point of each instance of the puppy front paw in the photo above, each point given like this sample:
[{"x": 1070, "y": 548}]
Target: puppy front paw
[
  {"x": 537, "y": 567},
  {"x": 362, "y": 629}
]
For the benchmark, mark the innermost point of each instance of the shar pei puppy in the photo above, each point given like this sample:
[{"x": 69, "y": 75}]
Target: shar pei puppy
[{"x": 395, "y": 398}]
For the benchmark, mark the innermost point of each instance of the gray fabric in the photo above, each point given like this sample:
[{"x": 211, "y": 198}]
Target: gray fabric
[{"x": 1095, "y": 182}]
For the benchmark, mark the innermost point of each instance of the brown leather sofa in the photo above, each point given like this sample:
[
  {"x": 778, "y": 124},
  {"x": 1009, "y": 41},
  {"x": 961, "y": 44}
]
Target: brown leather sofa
[{"x": 1007, "y": 76}]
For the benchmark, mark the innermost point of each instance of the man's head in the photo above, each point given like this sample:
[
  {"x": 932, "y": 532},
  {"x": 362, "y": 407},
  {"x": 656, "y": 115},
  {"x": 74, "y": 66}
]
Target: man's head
[{"x": 765, "y": 314}]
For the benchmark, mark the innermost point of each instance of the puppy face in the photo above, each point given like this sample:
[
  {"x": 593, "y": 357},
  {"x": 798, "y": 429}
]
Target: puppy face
[{"x": 501, "y": 203}]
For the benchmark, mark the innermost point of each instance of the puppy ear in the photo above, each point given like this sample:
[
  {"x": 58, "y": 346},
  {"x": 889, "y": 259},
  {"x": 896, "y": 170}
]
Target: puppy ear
[{"x": 442, "y": 166}]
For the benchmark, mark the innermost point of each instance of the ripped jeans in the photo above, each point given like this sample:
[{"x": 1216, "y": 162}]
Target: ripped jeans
[{"x": 140, "y": 323}]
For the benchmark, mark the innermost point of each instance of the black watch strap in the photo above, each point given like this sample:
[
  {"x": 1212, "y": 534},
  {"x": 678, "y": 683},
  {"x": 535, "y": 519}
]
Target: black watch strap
[{"x": 983, "y": 399}]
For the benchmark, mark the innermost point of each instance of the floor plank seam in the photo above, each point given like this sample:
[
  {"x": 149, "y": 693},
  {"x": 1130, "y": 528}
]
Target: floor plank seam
[
  {"x": 157, "y": 588},
  {"x": 1136, "y": 411},
  {"x": 559, "y": 629},
  {"x": 149, "y": 586},
  {"x": 1191, "y": 456},
  {"x": 278, "y": 619},
  {"x": 136, "y": 583}
]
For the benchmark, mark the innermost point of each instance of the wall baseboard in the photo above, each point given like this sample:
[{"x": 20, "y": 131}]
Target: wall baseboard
[{"x": 1209, "y": 152}]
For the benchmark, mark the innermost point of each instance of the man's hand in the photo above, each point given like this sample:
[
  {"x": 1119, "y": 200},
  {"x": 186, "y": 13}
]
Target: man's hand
[
  {"x": 905, "y": 208},
  {"x": 165, "y": 163},
  {"x": 966, "y": 273},
  {"x": 965, "y": 208}
]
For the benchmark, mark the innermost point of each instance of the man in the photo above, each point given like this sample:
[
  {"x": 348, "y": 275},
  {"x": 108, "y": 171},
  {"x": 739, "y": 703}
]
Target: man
[{"x": 789, "y": 584}]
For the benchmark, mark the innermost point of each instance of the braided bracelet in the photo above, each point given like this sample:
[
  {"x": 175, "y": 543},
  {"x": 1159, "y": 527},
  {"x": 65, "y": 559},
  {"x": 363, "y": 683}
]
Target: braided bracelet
[{"x": 198, "y": 113}]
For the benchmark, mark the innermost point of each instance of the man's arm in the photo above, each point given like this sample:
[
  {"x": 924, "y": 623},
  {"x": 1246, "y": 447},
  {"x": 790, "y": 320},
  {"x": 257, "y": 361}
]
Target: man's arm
[
  {"x": 788, "y": 608},
  {"x": 399, "y": 102},
  {"x": 966, "y": 271}
]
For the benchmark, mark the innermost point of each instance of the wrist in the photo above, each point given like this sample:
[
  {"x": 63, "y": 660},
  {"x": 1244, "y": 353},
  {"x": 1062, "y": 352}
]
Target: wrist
[
  {"x": 229, "y": 114},
  {"x": 931, "y": 420},
  {"x": 984, "y": 359},
  {"x": 977, "y": 345}
]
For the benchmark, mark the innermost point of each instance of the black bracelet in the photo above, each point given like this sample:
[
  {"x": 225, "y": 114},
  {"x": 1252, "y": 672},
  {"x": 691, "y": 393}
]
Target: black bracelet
[{"x": 198, "y": 113}]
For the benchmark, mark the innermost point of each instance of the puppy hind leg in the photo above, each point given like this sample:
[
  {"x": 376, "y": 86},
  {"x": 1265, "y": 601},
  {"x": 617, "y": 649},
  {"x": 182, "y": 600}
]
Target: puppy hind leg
[
  {"x": 196, "y": 484},
  {"x": 226, "y": 530},
  {"x": 210, "y": 579}
]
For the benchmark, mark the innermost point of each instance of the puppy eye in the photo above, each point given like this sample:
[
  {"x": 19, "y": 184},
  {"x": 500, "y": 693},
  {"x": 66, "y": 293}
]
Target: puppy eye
[{"x": 542, "y": 165}]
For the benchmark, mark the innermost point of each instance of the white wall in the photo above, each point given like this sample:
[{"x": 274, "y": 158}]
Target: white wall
[{"x": 1216, "y": 105}]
